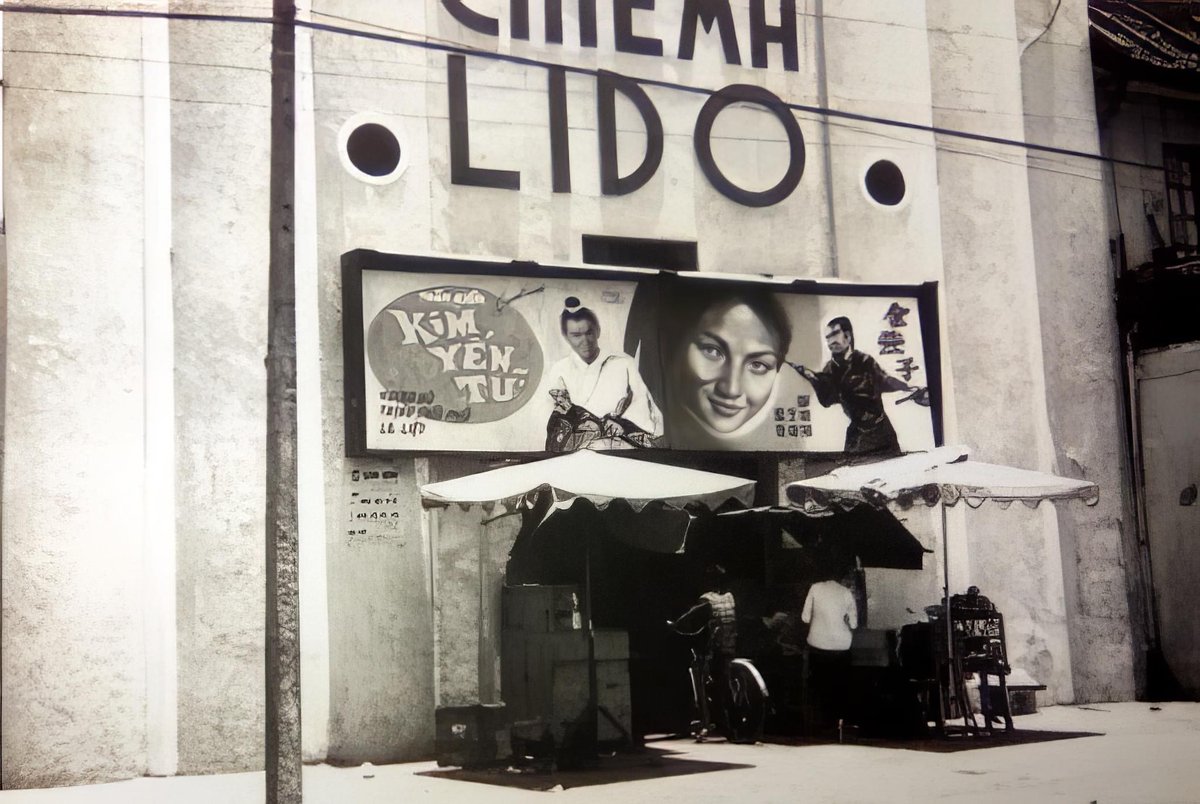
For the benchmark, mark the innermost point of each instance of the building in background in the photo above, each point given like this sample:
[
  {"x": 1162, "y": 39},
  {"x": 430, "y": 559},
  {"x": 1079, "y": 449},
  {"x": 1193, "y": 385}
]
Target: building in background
[
  {"x": 879, "y": 143},
  {"x": 1147, "y": 61}
]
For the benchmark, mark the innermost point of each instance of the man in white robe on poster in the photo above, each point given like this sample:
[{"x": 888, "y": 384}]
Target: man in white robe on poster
[{"x": 597, "y": 394}]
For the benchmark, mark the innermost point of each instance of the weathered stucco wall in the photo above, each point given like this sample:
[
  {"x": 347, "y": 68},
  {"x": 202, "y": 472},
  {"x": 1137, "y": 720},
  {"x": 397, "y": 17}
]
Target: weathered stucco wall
[
  {"x": 457, "y": 611},
  {"x": 74, "y": 661},
  {"x": 220, "y": 146},
  {"x": 1168, "y": 384},
  {"x": 380, "y": 624},
  {"x": 472, "y": 546},
  {"x": 422, "y": 212},
  {"x": 994, "y": 325},
  {"x": 1068, "y": 198},
  {"x": 81, "y": 323},
  {"x": 1017, "y": 241},
  {"x": 893, "y": 83},
  {"x": 381, "y": 685}
]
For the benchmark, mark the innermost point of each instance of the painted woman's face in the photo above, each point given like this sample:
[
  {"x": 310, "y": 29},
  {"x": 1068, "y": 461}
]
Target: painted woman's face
[{"x": 732, "y": 361}]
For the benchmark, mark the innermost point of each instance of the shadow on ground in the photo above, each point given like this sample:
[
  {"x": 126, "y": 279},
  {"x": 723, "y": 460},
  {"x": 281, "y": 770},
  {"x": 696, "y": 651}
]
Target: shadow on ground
[
  {"x": 955, "y": 740},
  {"x": 660, "y": 763},
  {"x": 648, "y": 763}
]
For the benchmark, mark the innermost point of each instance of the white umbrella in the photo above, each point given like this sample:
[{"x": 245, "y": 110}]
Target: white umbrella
[
  {"x": 941, "y": 476},
  {"x": 599, "y": 478}
]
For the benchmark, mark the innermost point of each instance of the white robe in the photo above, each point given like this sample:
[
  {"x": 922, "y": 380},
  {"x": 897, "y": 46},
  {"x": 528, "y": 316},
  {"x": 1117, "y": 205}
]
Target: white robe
[{"x": 600, "y": 386}]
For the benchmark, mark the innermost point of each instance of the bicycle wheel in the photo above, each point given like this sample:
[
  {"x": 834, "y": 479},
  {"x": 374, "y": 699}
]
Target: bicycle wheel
[{"x": 748, "y": 704}]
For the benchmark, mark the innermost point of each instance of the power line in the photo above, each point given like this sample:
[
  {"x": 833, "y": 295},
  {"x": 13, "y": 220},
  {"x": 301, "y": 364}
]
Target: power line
[
  {"x": 458, "y": 49},
  {"x": 1049, "y": 165}
]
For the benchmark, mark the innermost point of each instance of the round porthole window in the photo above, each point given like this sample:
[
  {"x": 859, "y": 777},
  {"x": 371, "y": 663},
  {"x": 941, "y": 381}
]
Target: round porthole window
[
  {"x": 885, "y": 183},
  {"x": 371, "y": 150}
]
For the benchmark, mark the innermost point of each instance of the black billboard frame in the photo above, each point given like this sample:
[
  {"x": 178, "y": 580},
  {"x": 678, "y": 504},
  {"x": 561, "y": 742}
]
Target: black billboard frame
[{"x": 354, "y": 262}]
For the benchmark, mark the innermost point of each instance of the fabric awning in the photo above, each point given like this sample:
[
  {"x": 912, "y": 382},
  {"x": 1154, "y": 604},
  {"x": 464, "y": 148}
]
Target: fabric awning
[
  {"x": 597, "y": 477},
  {"x": 944, "y": 475},
  {"x": 872, "y": 535},
  {"x": 1154, "y": 40}
]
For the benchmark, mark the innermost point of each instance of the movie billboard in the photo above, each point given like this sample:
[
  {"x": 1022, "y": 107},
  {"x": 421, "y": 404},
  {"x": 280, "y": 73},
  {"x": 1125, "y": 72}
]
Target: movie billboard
[{"x": 464, "y": 356}]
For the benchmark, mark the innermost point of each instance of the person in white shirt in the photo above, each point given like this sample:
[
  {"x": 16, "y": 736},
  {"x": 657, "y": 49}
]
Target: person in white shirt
[
  {"x": 832, "y": 614},
  {"x": 604, "y": 384}
]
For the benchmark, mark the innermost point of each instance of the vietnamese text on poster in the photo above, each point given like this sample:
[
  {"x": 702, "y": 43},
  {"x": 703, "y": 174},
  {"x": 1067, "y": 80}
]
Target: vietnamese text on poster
[{"x": 456, "y": 355}]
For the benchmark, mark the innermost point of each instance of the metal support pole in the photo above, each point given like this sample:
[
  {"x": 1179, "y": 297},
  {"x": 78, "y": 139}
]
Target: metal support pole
[
  {"x": 593, "y": 703},
  {"x": 946, "y": 583},
  {"x": 283, "y": 753},
  {"x": 953, "y": 680}
]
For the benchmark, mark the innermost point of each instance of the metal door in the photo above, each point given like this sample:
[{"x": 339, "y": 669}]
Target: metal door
[{"x": 1168, "y": 385}]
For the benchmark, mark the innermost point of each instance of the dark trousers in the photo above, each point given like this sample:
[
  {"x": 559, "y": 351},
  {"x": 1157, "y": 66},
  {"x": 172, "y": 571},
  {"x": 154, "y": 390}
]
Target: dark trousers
[
  {"x": 828, "y": 684},
  {"x": 717, "y": 667}
]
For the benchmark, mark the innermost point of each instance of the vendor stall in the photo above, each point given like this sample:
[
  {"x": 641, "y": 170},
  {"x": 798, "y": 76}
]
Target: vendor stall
[
  {"x": 554, "y": 658},
  {"x": 973, "y": 639}
]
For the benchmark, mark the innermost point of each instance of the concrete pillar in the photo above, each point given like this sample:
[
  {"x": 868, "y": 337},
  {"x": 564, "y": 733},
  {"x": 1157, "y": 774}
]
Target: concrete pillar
[
  {"x": 221, "y": 134},
  {"x": 457, "y": 610},
  {"x": 993, "y": 323},
  {"x": 159, "y": 601},
  {"x": 74, "y": 654},
  {"x": 380, "y": 622},
  {"x": 310, "y": 402},
  {"x": 1068, "y": 202}
]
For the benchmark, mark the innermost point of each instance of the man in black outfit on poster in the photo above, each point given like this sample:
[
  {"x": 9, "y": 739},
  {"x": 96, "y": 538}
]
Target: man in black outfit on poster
[{"x": 853, "y": 379}]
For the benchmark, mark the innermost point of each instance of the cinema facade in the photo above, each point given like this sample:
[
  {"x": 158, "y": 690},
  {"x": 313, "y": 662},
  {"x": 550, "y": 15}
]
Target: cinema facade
[{"x": 859, "y": 150}]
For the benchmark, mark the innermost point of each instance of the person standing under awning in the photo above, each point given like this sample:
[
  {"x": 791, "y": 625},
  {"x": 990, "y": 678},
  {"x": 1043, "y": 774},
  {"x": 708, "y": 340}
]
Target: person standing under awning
[{"x": 832, "y": 614}]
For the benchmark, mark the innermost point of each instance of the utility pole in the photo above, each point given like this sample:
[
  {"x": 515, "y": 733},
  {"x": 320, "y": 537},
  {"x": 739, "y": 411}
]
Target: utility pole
[{"x": 283, "y": 758}]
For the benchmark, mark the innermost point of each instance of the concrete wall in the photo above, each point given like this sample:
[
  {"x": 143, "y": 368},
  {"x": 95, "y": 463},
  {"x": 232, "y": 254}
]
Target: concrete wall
[
  {"x": 73, "y": 653},
  {"x": 508, "y": 111},
  {"x": 1068, "y": 197},
  {"x": 894, "y": 83},
  {"x": 103, "y": 677},
  {"x": 381, "y": 658},
  {"x": 220, "y": 144},
  {"x": 999, "y": 380},
  {"x": 1168, "y": 383},
  {"x": 472, "y": 551},
  {"x": 380, "y": 654}
]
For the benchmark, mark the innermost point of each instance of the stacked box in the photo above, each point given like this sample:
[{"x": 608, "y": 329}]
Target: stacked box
[{"x": 471, "y": 735}]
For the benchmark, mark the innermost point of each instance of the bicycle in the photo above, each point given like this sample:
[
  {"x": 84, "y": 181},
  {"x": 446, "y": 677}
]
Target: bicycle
[{"x": 742, "y": 712}]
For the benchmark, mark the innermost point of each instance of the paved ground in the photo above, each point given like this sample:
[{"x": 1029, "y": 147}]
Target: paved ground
[{"x": 1143, "y": 755}]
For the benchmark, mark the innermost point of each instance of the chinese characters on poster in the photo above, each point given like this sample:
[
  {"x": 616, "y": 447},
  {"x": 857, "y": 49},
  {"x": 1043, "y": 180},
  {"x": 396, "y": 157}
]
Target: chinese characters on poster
[{"x": 462, "y": 356}]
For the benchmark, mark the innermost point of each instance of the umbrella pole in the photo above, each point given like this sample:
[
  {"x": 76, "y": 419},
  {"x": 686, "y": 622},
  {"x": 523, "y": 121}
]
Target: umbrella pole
[
  {"x": 952, "y": 677},
  {"x": 593, "y": 697},
  {"x": 957, "y": 687},
  {"x": 946, "y": 584}
]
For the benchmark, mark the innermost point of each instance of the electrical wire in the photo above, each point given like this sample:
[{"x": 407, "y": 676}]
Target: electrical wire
[{"x": 414, "y": 40}]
